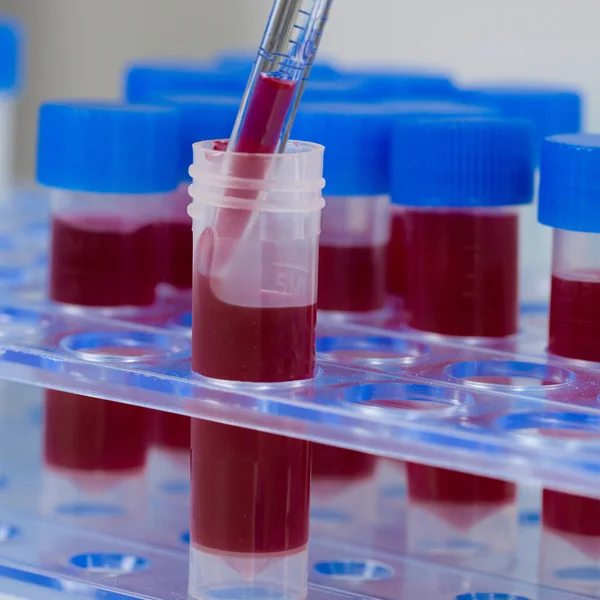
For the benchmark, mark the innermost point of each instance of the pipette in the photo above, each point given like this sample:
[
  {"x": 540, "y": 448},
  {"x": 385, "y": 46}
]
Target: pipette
[{"x": 275, "y": 87}]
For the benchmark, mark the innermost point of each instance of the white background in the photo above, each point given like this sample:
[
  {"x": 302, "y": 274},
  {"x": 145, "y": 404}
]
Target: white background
[{"x": 77, "y": 47}]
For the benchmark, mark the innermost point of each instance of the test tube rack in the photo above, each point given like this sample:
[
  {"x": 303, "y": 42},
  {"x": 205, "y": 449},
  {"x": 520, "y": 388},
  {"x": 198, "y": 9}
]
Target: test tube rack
[{"x": 501, "y": 409}]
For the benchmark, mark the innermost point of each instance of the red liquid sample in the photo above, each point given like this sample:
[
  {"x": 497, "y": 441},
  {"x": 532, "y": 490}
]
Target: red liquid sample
[
  {"x": 171, "y": 431},
  {"x": 575, "y": 318},
  {"x": 239, "y": 343},
  {"x": 94, "y": 263},
  {"x": 91, "y": 434},
  {"x": 463, "y": 273},
  {"x": 250, "y": 489},
  {"x": 575, "y": 515},
  {"x": 341, "y": 464},
  {"x": 397, "y": 253},
  {"x": 434, "y": 485},
  {"x": 351, "y": 278},
  {"x": 176, "y": 254}
]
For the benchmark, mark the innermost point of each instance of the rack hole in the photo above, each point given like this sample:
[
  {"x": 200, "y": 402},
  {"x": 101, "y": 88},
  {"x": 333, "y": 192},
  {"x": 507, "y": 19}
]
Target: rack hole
[
  {"x": 354, "y": 570},
  {"x": 123, "y": 346},
  {"x": 507, "y": 374},
  {"x": 374, "y": 351},
  {"x": 560, "y": 426},
  {"x": 405, "y": 399},
  {"x": 111, "y": 564}
]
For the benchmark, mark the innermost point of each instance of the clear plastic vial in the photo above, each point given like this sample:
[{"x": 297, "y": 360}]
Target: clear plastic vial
[
  {"x": 461, "y": 181},
  {"x": 550, "y": 110},
  {"x": 397, "y": 258},
  {"x": 355, "y": 221},
  {"x": 254, "y": 318},
  {"x": 108, "y": 167},
  {"x": 10, "y": 80},
  {"x": 568, "y": 202}
]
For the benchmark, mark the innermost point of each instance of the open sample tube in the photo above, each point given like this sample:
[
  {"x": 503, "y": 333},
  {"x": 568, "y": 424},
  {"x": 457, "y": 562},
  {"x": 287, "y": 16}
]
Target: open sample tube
[
  {"x": 254, "y": 319},
  {"x": 108, "y": 167},
  {"x": 397, "y": 260},
  {"x": 550, "y": 110},
  {"x": 461, "y": 180},
  {"x": 202, "y": 118},
  {"x": 355, "y": 221},
  {"x": 10, "y": 80},
  {"x": 568, "y": 202}
]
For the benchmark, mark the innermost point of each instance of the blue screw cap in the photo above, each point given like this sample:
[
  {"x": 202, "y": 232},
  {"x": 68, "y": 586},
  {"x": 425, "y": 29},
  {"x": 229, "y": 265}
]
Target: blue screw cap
[
  {"x": 108, "y": 147},
  {"x": 569, "y": 196},
  {"x": 356, "y": 139},
  {"x": 551, "y": 110},
  {"x": 462, "y": 162},
  {"x": 11, "y": 42},
  {"x": 203, "y": 118}
]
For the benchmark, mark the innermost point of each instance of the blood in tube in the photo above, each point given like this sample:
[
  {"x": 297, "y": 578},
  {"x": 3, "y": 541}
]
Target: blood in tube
[
  {"x": 265, "y": 116},
  {"x": 341, "y": 466},
  {"x": 439, "y": 488},
  {"x": 242, "y": 343},
  {"x": 463, "y": 274},
  {"x": 397, "y": 255},
  {"x": 90, "y": 434},
  {"x": 574, "y": 320},
  {"x": 96, "y": 261},
  {"x": 250, "y": 490},
  {"x": 350, "y": 278},
  {"x": 576, "y": 516},
  {"x": 171, "y": 431}
]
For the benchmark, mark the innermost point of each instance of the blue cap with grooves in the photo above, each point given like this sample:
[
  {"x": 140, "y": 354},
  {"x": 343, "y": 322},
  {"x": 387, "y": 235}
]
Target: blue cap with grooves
[
  {"x": 335, "y": 90},
  {"x": 468, "y": 162},
  {"x": 569, "y": 196},
  {"x": 108, "y": 147},
  {"x": 149, "y": 82},
  {"x": 429, "y": 109},
  {"x": 551, "y": 110},
  {"x": 387, "y": 84},
  {"x": 356, "y": 140},
  {"x": 10, "y": 55},
  {"x": 203, "y": 118}
]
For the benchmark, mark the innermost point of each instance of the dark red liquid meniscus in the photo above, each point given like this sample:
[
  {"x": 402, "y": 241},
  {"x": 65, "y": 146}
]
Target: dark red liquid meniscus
[
  {"x": 90, "y": 434},
  {"x": 94, "y": 263},
  {"x": 239, "y": 343},
  {"x": 351, "y": 278},
  {"x": 250, "y": 489},
  {"x": 463, "y": 272},
  {"x": 331, "y": 463},
  {"x": 397, "y": 255},
  {"x": 575, "y": 318}
]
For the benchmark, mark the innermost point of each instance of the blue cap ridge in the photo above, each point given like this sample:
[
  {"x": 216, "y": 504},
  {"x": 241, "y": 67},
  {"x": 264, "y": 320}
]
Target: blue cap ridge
[
  {"x": 551, "y": 110},
  {"x": 11, "y": 43},
  {"x": 462, "y": 162},
  {"x": 203, "y": 118},
  {"x": 151, "y": 81},
  {"x": 356, "y": 139},
  {"x": 106, "y": 147},
  {"x": 569, "y": 196}
]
